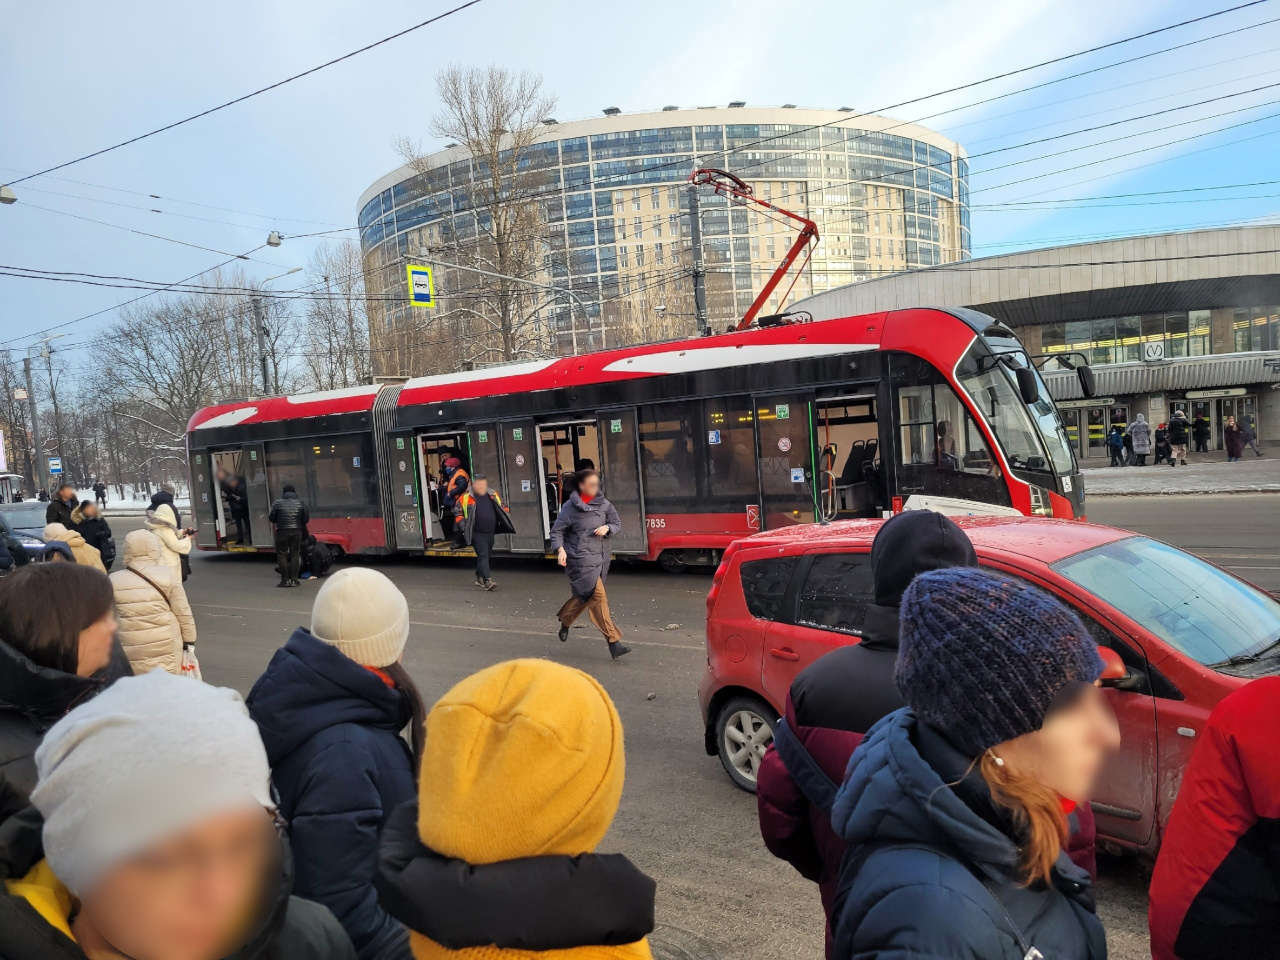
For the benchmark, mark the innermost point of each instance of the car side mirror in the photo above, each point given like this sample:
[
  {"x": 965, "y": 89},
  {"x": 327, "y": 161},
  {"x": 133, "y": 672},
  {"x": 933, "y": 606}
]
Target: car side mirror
[
  {"x": 1087, "y": 385},
  {"x": 1113, "y": 668},
  {"x": 1028, "y": 385}
]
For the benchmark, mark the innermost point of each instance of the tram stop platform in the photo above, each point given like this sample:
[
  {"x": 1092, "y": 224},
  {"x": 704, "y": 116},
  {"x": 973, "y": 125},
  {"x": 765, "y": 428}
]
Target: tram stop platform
[{"x": 1203, "y": 474}]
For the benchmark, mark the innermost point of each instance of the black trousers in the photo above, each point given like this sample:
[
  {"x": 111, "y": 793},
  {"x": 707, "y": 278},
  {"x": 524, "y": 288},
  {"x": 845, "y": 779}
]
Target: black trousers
[
  {"x": 482, "y": 543},
  {"x": 1202, "y": 446},
  {"x": 289, "y": 553},
  {"x": 241, "y": 521}
]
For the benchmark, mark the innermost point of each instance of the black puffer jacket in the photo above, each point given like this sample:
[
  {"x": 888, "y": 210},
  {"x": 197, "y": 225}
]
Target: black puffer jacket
[
  {"x": 59, "y": 511},
  {"x": 96, "y": 533},
  {"x": 32, "y": 699},
  {"x": 292, "y": 929},
  {"x": 289, "y": 513},
  {"x": 1178, "y": 430}
]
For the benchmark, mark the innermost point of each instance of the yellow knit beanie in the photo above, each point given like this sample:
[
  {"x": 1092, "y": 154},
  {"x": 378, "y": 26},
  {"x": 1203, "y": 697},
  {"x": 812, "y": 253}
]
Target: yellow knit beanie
[{"x": 523, "y": 759}]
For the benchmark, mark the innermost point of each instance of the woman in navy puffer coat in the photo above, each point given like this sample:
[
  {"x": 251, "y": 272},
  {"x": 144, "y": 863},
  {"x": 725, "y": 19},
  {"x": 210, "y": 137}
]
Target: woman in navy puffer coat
[
  {"x": 955, "y": 807},
  {"x": 331, "y": 708}
]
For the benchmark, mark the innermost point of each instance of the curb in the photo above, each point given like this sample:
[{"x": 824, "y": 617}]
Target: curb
[{"x": 1090, "y": 494}]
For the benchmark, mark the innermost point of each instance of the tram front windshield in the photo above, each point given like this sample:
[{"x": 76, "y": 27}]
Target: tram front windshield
[{"x": 1032, "y": 436}]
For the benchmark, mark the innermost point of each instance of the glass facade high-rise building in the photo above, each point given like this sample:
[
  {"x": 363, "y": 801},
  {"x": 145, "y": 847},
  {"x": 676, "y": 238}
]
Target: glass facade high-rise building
[{"x": 613, "y": 223}]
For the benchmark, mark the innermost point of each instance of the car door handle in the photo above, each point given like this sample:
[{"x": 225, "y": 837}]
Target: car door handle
[{"x": 784, "y": 653}]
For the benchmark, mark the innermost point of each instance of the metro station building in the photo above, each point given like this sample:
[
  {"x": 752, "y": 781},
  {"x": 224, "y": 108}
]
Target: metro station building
[{"x": 1178, "y": 321}]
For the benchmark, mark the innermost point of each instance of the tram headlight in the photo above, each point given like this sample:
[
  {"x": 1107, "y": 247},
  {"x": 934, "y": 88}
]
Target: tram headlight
[{"x": 1040, "y": 505}]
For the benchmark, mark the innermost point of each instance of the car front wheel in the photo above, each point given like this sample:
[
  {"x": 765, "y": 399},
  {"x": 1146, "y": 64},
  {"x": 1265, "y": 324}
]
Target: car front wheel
[{"x": 744, "y": 730}]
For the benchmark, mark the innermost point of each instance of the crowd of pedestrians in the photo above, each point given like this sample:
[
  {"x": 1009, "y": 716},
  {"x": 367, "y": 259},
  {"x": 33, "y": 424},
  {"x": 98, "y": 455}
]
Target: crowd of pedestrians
[
  {"x": 1130, "y": 445},
  {"x": 933, "y": 780}
]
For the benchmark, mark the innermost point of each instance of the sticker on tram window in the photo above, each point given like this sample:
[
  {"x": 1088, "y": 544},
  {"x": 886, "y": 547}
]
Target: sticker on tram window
[
  {"x": 204, "y": 498},
  {"x": 526, "y": 486},
  {"x": 408, "y": 489},
  {"x": 1066, "y": 484},
  {"x": 797, "y": 474},
  {"x": 253, "y": 455},
  {"x": 784, "y": 411},
  {"x": 399, "y": 443},
  {"x": 615, "y": 426},
  {"x": 713, "y": 436},
  {"x": 355, "y": 461},
  {"x": 403, "y": 466},
  {"x": 519, "y": 458},
  {"x": 517, "y": 433},
  {"x": 784, "y": 444},
  {"x": 483, "y": 436},
  {"x": 199, "y": 459}
]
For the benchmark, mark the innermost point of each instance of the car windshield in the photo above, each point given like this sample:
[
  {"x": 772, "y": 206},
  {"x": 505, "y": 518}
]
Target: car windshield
[
  {"x": 1025, "y": 432},
  {"x": 29, "y": 513},
  {"x": 1191, "y": 605}
]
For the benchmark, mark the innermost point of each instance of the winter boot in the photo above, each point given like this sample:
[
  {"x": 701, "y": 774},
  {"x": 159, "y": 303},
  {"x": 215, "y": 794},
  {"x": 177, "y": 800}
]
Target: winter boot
[
  {"x": 617, "y": 649},
  {"x": 564, "y": 633},
  {"x": 284, "y": 583},
  {"x": 479, "y": 581}
]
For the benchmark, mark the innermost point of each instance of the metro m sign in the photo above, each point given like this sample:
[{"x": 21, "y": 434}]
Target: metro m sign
[{"x": 422, "y": 289}]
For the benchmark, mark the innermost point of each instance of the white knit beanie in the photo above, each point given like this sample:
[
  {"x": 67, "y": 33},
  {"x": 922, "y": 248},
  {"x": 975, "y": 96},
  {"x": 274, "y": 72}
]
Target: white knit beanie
[
  {"x": 364, "y": 615},
  {"x": 144, "y": 760}
]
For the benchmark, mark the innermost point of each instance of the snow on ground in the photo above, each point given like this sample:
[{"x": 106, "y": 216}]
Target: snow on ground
[{"x": 1209, "y": 473}]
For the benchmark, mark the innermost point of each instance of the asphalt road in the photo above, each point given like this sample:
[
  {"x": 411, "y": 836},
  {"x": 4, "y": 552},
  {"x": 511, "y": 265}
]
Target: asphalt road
[{"x": 720, "y": 894}]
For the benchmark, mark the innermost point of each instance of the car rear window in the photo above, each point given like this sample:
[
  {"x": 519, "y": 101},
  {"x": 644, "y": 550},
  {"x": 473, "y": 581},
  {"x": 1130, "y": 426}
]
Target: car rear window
[{"x": 763, "y": 584}]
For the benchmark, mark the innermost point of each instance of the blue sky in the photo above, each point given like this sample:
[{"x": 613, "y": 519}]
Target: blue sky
[{"x": 76, "y": 76}]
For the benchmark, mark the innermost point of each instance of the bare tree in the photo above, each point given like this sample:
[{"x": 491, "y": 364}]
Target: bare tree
[
  {"x": 494, "y": 114},
  {"x": 335, "y": 337}
]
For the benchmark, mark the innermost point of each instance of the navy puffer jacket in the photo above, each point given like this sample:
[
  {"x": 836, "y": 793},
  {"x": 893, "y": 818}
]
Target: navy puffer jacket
[
  {"x": 932, "y": 870},
  {"x": 332, "y": 732}
]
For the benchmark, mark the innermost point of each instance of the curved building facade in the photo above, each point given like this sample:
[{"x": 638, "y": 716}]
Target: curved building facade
[{"x": 612, "y": 224}]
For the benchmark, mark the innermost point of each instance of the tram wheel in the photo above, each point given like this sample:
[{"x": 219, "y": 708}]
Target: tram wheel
[{"x": 672, "y": 561}]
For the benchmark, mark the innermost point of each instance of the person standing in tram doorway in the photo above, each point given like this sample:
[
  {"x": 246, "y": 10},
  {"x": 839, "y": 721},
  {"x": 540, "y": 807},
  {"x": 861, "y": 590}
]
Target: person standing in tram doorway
[
  {"x": 581, "y": 537},
  {"x": 290, "y": 516},
  {"x": 455, "y": 485},
  {"x": 480, "y": 516}
]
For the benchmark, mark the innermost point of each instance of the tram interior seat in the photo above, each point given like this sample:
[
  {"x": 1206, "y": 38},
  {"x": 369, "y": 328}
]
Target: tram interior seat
[{"x": 858, "y": 488}]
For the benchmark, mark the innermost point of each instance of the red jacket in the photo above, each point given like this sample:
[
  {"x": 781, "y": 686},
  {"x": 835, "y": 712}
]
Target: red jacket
[{"x": 1216, "y": 887}]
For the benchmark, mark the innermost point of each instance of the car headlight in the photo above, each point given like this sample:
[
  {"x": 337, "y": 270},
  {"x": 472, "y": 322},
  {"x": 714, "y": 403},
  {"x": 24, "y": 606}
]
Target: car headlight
[{"x": 1040, "y": 505}]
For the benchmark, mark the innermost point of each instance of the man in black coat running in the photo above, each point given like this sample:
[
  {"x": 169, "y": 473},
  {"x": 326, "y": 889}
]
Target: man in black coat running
[
  {"x": 479, "y": 516},
  {"x": 290, "y": 516}
]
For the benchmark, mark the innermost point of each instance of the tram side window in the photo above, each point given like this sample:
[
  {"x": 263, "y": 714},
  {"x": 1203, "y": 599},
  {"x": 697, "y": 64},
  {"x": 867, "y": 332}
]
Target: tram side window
[
  {"x": 667, "y": 460},
  {"x": 729, "y": 433},
  {"x": 336, "y": 476},
  {"x": 941, "y": 451}
]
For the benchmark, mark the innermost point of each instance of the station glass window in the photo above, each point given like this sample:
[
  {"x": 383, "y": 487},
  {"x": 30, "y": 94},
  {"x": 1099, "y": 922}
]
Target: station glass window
[
  {"x": 836, "y": 592},
  {"x": 764, "y": 584}
]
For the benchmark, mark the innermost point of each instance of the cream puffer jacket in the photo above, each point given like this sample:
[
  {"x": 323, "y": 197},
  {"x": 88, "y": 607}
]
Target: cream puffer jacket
[
  {"x": 155, "y": 618},
  {"x": 163, "y": 522},
  {"x": 84, "y": 554}
]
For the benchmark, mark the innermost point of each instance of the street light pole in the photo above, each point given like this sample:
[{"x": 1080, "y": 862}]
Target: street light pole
[
  {"x": 260, "y": 322},
  {"x": 699, "y": 265},
  {"x": 35, "y": 426}
]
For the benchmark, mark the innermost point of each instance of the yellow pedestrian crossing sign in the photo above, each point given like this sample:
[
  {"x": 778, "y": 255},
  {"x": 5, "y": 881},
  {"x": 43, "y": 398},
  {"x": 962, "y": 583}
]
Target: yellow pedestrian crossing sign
[{"x": 422, "y": 288}]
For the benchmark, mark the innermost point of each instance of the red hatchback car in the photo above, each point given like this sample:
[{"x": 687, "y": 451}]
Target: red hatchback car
[{"x": 1188, "y": 634}]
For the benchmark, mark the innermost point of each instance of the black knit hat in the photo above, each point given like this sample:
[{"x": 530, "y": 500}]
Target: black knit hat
[
  {"x": 911, "y": 543},
  {"x": 983, "y": 656}
]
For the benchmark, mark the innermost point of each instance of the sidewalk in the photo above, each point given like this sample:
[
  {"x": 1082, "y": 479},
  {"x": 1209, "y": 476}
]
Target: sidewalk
[{"x": 1204, "y": 473}]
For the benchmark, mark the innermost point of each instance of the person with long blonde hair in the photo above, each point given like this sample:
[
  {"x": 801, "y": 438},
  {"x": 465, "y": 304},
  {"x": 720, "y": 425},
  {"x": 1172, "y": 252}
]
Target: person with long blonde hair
[{"x": 955, "y": 807}]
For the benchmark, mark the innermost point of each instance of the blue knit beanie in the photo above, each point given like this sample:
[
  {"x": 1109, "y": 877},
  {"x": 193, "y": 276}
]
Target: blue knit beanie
[{"x": 982, "y": 656}]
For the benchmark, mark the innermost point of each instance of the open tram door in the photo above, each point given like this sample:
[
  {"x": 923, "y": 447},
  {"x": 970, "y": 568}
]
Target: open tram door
[
  {"x": 213, "y": 496},
  {"x": 850, "y": 484},
  {"x": 434, "y": 450}
]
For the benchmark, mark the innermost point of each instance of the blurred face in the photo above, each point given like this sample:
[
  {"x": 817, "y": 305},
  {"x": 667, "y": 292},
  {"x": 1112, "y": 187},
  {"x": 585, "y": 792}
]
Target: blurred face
[
  {"x": 90, "y": 511},
  {"x": 95, "y": 644},
  {"x": 589, "y": 487},
  {"x": 196, "y": 896},
  {"x": 1068, "y": 751},
  {"x": 65, "y": 493},
  {"x": 480, "y": 487}
]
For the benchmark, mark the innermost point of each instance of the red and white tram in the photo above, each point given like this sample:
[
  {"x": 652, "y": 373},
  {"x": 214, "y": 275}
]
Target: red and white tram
[{"x": 699, "y": 441}]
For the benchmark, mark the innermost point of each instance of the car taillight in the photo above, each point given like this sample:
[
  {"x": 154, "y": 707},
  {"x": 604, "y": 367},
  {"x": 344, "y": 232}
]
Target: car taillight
[{"x": 718, "y": 579}]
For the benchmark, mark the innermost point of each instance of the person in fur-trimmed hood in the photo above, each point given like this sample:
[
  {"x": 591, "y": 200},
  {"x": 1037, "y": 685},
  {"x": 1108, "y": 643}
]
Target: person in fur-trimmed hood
[{"x": 520, "y": 780}]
